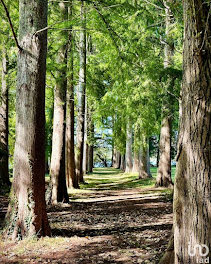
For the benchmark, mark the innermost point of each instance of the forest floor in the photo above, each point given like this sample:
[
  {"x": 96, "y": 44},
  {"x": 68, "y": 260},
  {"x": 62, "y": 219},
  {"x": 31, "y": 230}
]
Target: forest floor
[{"x": 115, "y": 218}]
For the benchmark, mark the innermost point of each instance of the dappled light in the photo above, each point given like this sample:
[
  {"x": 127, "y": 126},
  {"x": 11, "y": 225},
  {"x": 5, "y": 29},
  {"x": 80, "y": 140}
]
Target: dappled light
[
  {"x": 105, "y": 132},
  {"x": 107, "y": 221}
]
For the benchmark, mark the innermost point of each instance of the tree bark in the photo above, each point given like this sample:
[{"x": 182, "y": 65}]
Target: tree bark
[
  {"x": 164, "y": 169},
  {"x": 4, "y": 150},
  {"x": 117, "y": 160},
  {"x": 90, "y": 135},
  {"x": 136, "y": 152},
  {"x": 90, "y": 159},
  {"x": 72, "y": 180},
  {"x": 144, "y": 164},
  {"x": 158, "y": 157},
  {"x": 122, "y": 165},
  {"x": 128, "y": 155},
  {"x": 81, "y": 97},
  {"x": 136, "y": 162},
  {"x": 27, "y": 210},
  {"x": 114, "y": 157},
  {"x": 57, "y": 170},
  {"x": 85, "y": 147},
  {"x": 192, "y": 218}
]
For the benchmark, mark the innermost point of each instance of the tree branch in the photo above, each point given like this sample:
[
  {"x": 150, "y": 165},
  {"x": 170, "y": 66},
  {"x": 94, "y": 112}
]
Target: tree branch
[
  {"x": 11, "y": 25},
  {"x": 158, "y": 7},
  {"x": 109, "y": 28}
]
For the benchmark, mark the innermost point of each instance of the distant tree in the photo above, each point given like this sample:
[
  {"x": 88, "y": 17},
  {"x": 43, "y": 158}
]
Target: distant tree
[
  {"x": 164, "y": 168},
  {"x": 122, "y": 165},
  {"x": 81, "y": 96},
  {"x": 144, "y": 162},
  {"x": 71, "y": 176},
  {"x": 57, "y": 169},
  {"x": 116, "y": 159},
  {"x": 90, "y": 141},
  {"x": 136, "y": 152},
  {"x": 129, "y": 144}
]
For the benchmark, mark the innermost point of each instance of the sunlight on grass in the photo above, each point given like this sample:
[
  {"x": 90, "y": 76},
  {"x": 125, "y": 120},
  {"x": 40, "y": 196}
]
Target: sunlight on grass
[{"x": 103, "y": 179}]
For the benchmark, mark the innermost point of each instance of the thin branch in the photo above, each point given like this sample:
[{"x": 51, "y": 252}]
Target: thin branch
[
  {"x": 106, "y": 22},
  {"x": 11, "y": 25},
  {"x": 111, "y": 6},
  {"x": 49, "y": 27},
  {"x": 109, "y": 28},
  {"x": 158, "y": 7}
]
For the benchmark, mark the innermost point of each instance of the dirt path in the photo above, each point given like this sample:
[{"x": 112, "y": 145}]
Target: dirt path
[{"x": 107, "y": 226}]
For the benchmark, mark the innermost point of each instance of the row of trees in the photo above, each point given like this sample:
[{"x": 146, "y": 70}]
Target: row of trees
[
  {"x": 112, "y": 65},
  {"x": 117, "y": 69},
  {"x": 102, "y": 105}
]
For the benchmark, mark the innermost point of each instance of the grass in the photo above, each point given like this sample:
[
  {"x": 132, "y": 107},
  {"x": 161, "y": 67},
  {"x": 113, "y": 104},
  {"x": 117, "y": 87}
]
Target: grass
[
  {"x": 114, "y": 179},
  {"x": 105, "y": 179}
]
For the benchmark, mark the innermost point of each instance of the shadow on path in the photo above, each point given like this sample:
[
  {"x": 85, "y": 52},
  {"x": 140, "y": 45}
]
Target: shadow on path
[{"x": 123, "y": 226}]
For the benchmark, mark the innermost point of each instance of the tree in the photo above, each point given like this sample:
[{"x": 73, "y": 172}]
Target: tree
[
  {"x": 72, "y": 180},
  {"x": 4, "y": 151},
  {"x": 192, "y": 220},
  {"x": 164, "y": 168},
  {"x": 122, "y": 165},
  {"x": 57, "y": 170},
  {"x": 91, "y": 140},
  {"x": 90, "y": 158},
  {"x": 128, "y": 155},
  {"x": 144, "y": 163},
  {"x": 81, "y": 96},
  {"x": 85, "y": 147},
  {"x": 26, "y": 214},
  {"x": 136, "y": 153},
  {"x": 116, "y": 159}
]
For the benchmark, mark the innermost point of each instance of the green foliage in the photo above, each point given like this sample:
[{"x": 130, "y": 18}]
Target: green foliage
[{"x": 126, "y": 79}]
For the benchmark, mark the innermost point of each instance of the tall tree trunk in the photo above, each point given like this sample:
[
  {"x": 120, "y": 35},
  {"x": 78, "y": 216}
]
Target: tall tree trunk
[
  {"x": 164, "y": 169},
  {"x": 72, "y": 180},
  {"x": 158, "y": 157},
  {"x": 136, "y": 162},
  {"x": 114, "y": 157},
  {"x": 90, "y": 134},
  {"x": 128, "y": 155},
  {"x": 122, "y": 165},
  {"x": 136, "y": 153},
  {"x": 49, "y": 133},
  {"x": 81, "y": 96},
  {"x": 144, "y": 164},
  {"x": 148, "y": 160},
  {"x": 4, "y": 151},
  {"x": 85, "y": 147},
  {"x": 192, "y": 218},
  {"x": 27, "y": 210},
  {"x": 90, "y": 159},
  {"x": 117, "y": 160},
  {"x": 57, "y": 170}
]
